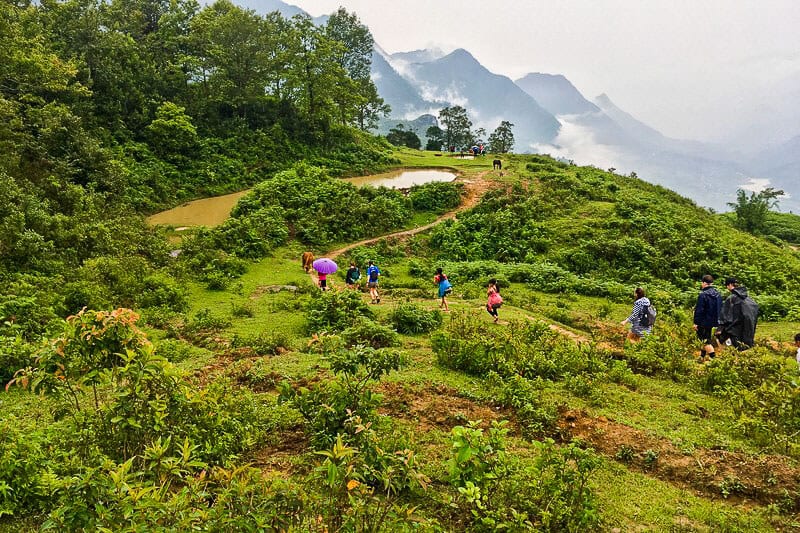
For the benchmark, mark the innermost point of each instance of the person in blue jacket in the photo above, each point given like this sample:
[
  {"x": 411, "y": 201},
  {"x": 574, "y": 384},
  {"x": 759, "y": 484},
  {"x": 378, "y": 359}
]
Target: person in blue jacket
[
  {"x": 706, "y": 315},
  {"x": 445, "y": 287},
  {"x": 373, "y": 273}
]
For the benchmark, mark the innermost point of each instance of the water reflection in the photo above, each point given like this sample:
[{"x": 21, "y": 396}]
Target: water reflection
[
  {"x": 214, "y": 211},
  {"x": 403, "y": 179}
]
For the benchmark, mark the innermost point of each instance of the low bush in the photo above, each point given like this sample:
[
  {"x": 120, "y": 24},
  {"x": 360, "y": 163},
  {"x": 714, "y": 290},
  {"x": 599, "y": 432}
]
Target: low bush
[
  {"x": 557, "y": 496},
  {"x": 264, "y": 343},
  {"x": 327, "y": 406},
  {"x": 411, "y": 318},
  {"x": 335, "y": 310},
  {"x": 369, "y": 333}
]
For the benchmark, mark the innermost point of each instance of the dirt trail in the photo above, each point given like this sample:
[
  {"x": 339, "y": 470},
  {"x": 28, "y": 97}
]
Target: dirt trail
[
  {"x": 475, "y": 186},
  {"x": 712, "y": 473}
]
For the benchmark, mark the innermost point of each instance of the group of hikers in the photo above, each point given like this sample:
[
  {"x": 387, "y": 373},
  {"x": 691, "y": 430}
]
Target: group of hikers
[
  {"x": 353, "y": 274},
  {"x": 717, "y": 322}
]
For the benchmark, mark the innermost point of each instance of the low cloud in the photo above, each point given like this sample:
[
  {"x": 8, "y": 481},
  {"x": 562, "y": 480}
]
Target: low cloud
[{"x": 577, "y": 143}]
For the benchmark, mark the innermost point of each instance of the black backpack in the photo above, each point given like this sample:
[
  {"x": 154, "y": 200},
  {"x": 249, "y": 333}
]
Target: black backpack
[{"x": 648, "y": 317}]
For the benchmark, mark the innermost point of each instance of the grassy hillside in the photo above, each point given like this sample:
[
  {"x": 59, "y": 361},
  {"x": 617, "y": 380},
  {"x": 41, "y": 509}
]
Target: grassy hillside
[{"x": 269, "y": 405}]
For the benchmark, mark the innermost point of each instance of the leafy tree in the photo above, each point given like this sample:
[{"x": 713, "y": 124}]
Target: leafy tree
[
  {"x": 172, "y": 133},
  {"x": 502, "y": 139},
  {"x": 400, "y": 136},
  {"x": 457, "y": 126},
  {"x": 356, "y": 96},
  {"x": 751, "y": 211},
  {"x": 435, "y": 137}
]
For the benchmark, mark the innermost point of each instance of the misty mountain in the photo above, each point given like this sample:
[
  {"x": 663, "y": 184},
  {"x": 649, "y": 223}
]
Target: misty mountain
[
  {"x": 418, "y": 125},
  {"x": 416, "y": 56},
  {"x": 781, "y": 165},
  {"x": 550, "y": 115},
  {"x": 262, "y": 7},
  {"x": 556, "y": 94},
  {"x": 458, "y": 78},
  {"x": 396, "y": 91}
]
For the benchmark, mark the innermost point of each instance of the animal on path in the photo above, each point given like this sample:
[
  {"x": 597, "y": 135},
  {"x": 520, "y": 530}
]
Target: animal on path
[
  {"x": 497, "y": 165},
  {"x": 308, "y": 261}
]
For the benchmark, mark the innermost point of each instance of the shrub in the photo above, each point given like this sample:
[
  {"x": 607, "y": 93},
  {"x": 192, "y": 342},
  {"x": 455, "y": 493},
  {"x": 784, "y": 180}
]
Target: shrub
[
  {"x": 411, "y": 318},
  {"x": 327, "y": 406},
  {"x": 369, "y": 333},
  {"x": 264, "y": 343},
  {"x": 15, "y": 354},
  {"x": 660, "y": 354},
  {"x": 730, "y": 370},
  {"x": 26, "y": 482},
  {"x": 174, "y": 350},
  {"x": 528, "y": 349},
  {"x": 489, "y": 483},
  {"x": 335, "y": 310},
  {"x": 436, "y": 196}
]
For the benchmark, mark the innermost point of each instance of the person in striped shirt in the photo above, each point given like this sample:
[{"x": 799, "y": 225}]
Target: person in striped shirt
[{"x": 638, "y": 316}]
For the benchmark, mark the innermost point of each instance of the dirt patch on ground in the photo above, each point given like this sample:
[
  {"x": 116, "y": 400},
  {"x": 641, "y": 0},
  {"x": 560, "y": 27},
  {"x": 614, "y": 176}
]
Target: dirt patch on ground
[
  {"x": 712, "y": 473},
  {"x": 281, "y": 457},
  {"x": 436, "y": 407}
]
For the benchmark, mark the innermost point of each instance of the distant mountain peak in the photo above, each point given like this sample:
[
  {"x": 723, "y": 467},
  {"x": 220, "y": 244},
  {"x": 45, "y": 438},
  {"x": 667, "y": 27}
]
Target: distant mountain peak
[{"x": 556, "y": 94}]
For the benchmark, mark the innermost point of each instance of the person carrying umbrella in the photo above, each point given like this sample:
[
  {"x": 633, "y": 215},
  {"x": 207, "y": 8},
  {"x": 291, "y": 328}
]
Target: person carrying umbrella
[{"x": 324, "y": 266}]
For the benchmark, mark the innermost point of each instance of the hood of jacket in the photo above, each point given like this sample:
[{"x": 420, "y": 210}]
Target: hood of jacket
[
  {"x": 741, "y": 292},
  {"x": 711, "y": 291}
]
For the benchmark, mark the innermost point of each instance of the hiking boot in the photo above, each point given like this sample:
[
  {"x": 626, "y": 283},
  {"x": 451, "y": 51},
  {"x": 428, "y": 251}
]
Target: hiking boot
[{"x": 378, "y": 300}]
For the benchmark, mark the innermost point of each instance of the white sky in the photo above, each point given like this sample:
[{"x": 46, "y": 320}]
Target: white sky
[{"x": 693, "y": 69}]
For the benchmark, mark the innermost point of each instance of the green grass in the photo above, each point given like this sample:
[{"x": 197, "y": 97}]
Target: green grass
[{"x": 633, "y": 501}]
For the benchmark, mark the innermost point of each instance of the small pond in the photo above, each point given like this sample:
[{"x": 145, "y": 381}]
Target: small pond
[
  {"x": 403, "y": 179},
  {"x": 214, "y": 211},
  {"x": 205, "y": 212}
]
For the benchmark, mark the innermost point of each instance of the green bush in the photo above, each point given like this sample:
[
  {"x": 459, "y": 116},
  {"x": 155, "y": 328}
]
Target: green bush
[
  {"x": 369, "y": 333},
  {"x": 660, "y": 354},
  {"x": 15, "y": 354},
  {"x": 489, "y": 483},
  {"x": 436, "y": 196},
  {"x": 327, "y": 406},
  {"x": 26, "y": 479},
  {"x": 335, "y": 310},
  {"x": 528, "y": 349},
  {"x": 264, "y": 343},
  {"x": 411, "y": 318}
]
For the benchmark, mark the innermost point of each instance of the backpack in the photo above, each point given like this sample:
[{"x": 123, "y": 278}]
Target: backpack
[
  {"x": 648, "y": 316},
  {"x": 373, "y": 273}
]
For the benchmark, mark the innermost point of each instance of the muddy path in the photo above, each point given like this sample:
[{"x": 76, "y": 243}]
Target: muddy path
[
  {"x": 475, "y": 186},
  {"x": 711, "y": 473}
]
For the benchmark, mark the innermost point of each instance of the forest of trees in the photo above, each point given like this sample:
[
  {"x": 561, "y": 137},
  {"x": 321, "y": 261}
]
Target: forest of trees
[{"x": 115, "y": 108}]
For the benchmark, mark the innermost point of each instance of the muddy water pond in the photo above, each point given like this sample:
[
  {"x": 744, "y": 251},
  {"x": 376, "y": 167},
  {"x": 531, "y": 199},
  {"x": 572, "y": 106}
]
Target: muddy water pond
[
  {"x": 214, "y": 211},
  {"x": 403, "y": 179},
  {"x": 205, "y": 212}
]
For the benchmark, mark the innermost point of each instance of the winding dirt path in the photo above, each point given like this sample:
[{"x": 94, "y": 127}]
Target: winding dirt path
[{"x": 475, "y": 186}]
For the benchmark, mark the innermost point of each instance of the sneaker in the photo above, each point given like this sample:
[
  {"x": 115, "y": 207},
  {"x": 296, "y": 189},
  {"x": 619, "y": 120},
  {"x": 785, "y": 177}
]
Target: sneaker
[{"x": 379, "y": 300}]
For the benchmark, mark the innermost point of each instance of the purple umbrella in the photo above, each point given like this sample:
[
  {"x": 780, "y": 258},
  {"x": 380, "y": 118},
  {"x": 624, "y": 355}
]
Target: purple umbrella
[{"x": 325, "y": 266}]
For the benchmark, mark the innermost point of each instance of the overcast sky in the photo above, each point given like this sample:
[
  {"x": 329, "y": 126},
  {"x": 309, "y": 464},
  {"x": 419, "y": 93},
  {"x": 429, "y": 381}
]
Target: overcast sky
[{"x": 698, "y": 69}]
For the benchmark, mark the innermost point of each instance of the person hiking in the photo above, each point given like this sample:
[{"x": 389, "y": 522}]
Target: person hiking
[
  {"x": 373, "y": 273},
  {"x": 706, "y": 315},
  {"x": 493, "y": 299},
  {"x": 352, "y": 276},
  {"x": 638, "y": 317},
  {"x": 323, "y": 281},
  {"x": 445, "y": 287},
  {"x": 738, "y": 317}
]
